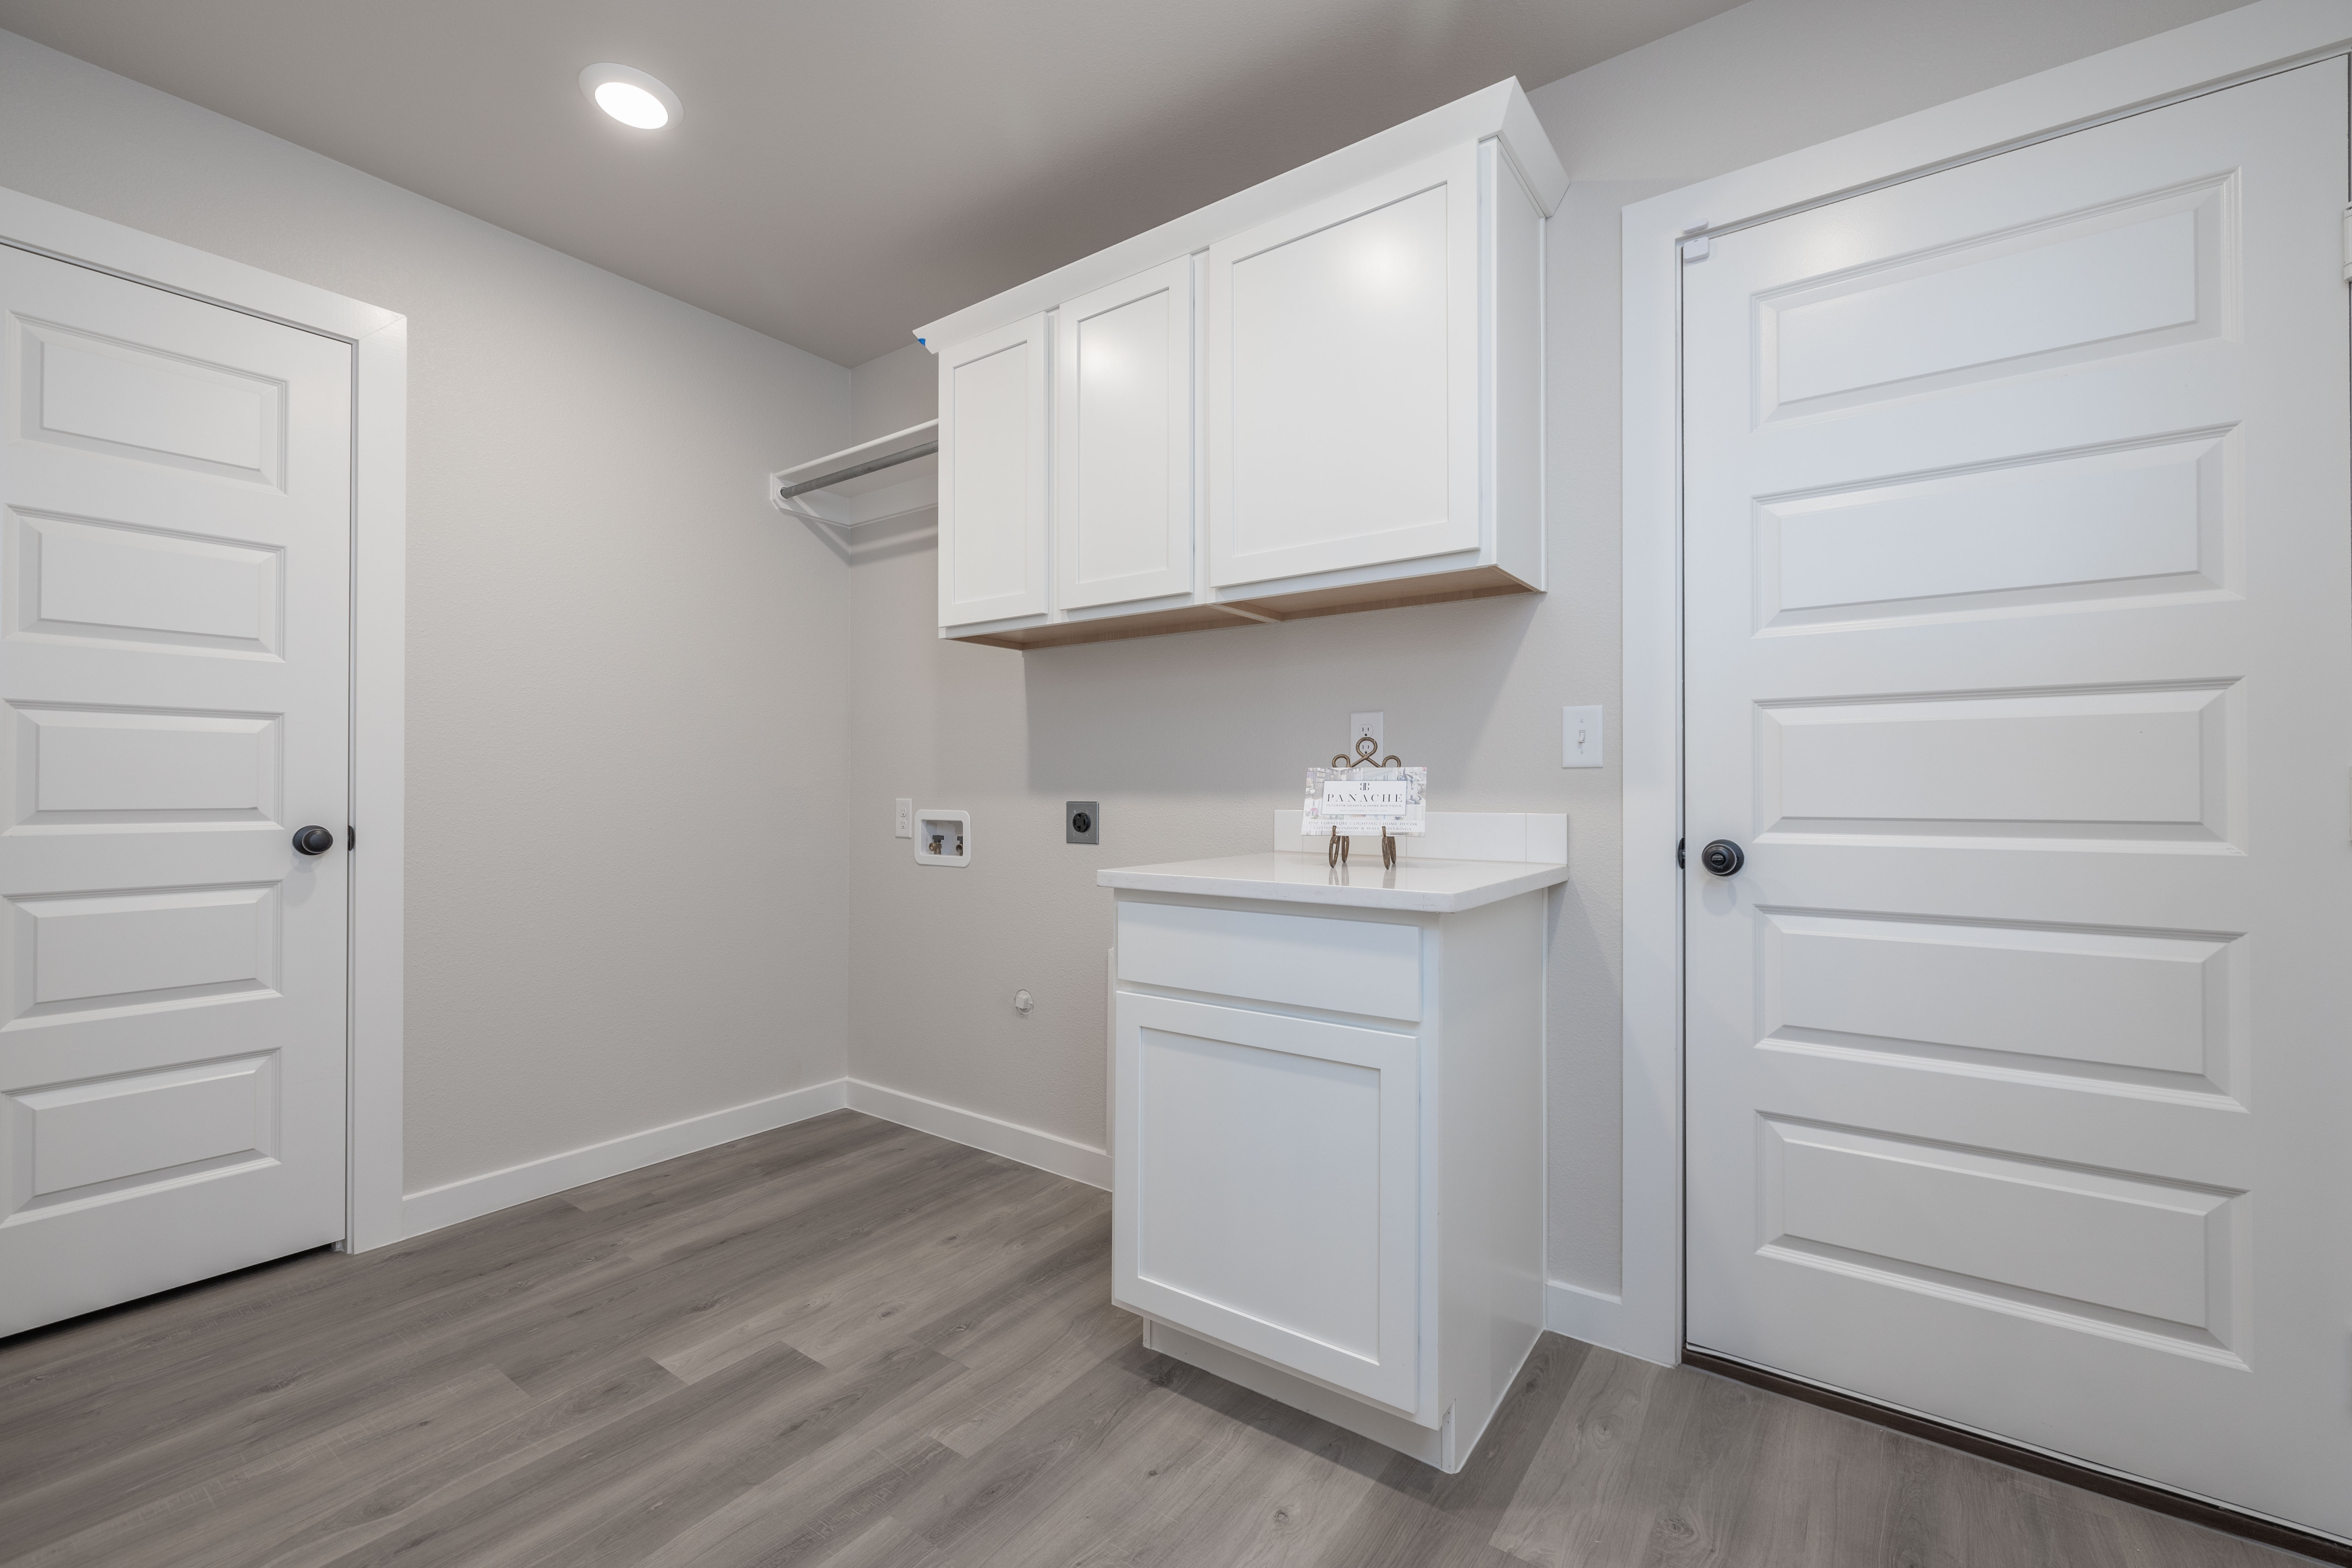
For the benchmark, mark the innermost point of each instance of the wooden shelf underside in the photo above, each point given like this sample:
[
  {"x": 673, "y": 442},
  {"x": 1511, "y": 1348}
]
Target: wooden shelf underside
[{"x": 1474, "y": 583}]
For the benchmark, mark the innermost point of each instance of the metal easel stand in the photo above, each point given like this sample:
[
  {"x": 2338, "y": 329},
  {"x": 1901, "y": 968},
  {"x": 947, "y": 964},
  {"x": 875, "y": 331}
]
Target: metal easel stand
[{"x": 1336, "y": 855}]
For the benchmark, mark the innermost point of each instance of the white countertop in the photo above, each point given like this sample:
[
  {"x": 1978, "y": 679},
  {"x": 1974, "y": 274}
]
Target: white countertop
[{"x": 1430, "y": 887}]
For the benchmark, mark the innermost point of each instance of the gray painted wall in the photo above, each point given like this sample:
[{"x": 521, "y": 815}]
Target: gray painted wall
[
  {"x": 654, "y": 731},
  {"x": 628, "y": 684},
  {"x": 1190, "y": 742}
]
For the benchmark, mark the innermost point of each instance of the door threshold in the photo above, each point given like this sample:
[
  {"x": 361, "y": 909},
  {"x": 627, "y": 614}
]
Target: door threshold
[{"x": 2217, "y": 1516}]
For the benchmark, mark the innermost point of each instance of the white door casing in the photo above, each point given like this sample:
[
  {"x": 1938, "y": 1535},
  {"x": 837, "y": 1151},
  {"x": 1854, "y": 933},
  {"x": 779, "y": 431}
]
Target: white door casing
[
  {"x": 1343, "y": 379},
  {"x": 994, "y": 481},
  {"x": 1266, "y": 1184},
  {"x": 2017, "y": 656},
  {"x": 176, "y": 495},
  {"x": 1123, "y": 385}
]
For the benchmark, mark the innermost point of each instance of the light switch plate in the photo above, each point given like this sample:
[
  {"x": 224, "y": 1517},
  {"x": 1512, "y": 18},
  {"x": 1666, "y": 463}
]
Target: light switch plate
[
  {"x": 1362, "y": 724},
  {"x": 1579, "y": 737},
  {"x": 906, "y": 829}
]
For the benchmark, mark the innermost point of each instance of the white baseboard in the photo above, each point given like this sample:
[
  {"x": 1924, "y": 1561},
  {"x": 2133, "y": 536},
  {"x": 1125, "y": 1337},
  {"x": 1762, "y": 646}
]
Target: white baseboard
[
  {"x": 474, "y": 1196},
  {"x": 1046, "y": 1150},
  {"x": 1596, "y": 1317},
  {"x": 486, "y": 1193}
]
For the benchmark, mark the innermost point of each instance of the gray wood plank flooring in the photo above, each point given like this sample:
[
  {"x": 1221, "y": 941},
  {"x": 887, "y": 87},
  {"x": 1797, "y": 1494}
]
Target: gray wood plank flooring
[{"x": 847, "y": 1343}]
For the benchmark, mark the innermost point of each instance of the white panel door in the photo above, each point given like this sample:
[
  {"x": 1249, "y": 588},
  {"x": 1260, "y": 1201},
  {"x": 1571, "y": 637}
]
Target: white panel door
[
  {"x": 1123, "y": 440},
  {"x": 2020, "y": 662},
  {"x": 992, "y": 475},
  {"x": 175, "y": 584},
  {"x": 1267, "y": 1190},
  {"x": 1343, "y": 379}
]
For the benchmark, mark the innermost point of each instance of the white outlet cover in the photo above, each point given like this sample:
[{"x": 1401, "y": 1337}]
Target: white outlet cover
[
  {"x": 1373, "y": 725},
  {"x": 906, "y": 819},
  {"x": 1579, "y": 737}
]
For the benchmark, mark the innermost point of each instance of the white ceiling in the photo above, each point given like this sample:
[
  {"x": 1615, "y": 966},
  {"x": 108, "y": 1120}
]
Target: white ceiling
[{"x": 842, "y": 171}]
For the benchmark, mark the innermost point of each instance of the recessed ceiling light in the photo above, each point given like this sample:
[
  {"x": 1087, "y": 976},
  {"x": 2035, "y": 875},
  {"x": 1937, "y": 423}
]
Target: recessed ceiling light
[{"x": 630, "y": 96}]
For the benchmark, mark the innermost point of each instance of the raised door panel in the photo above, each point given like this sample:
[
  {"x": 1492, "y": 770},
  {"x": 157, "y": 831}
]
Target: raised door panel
[
  {"x": 82, "y": 1141},
  {"x": 101, "y": 394},
  {"x": 1267, "y": 1189},
  {"x": 1123, "y": 440},
  {"x": 993, "y": 476},
  {"x": 1343, "y": 380}
]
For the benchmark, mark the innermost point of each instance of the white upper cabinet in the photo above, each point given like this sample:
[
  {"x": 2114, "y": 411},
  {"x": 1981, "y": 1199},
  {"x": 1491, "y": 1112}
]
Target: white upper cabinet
[
  {"x": 1123, "y": 385},
  {"x": 1323, "y": 394},
  {"x": 1343, "y": 380},
  {"x": 992, "y": 475}
]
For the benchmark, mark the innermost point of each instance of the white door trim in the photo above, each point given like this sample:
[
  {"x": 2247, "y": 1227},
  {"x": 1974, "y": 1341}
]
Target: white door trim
[
  {"x": 378, "y": 597},
  {"x": 1646, "y": 1319}
]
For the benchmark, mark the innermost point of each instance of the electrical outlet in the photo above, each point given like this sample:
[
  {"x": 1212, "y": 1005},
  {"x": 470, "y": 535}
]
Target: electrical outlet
[
  {"x": 906, "y": 829},
  {"x": 1082, "y": 822},
  {"x": 1579, "y": 737},
  {"x": 1361, "y": 725}
]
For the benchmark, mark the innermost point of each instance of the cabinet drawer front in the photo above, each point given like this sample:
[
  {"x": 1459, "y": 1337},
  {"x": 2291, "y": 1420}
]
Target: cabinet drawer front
[
  {"x": 1266, "y": 1188},
  {"x": 1302, "y": 960}
]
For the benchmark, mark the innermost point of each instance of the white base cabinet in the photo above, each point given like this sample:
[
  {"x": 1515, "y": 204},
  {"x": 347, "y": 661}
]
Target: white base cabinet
[
  {"x": 1326, "y": 1143},
  {"x": 1323, "y": 394}
]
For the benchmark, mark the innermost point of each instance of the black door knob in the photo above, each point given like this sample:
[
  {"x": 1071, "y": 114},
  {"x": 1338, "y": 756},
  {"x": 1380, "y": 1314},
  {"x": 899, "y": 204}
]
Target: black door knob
[
  {"x": 313, "y": 840},
  {"x": 1722, "y": 856}
]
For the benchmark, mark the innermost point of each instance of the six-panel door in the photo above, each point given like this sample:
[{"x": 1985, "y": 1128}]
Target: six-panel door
[
  {"x": 994, "y": 478},
  {"x": 1123, "y": 383},
  {"x": 174, "y": 585},
  {"x": 1267, "y": 1187},
  {"x": 1343, "y": 379}
]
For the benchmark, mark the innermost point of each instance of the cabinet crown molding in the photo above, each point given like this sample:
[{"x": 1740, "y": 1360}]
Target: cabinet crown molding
[{"x": 1501, "y": 112}]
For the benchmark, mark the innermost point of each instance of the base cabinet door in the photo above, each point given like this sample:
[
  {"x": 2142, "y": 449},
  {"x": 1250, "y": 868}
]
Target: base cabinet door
[{"x": 1267, "y": 1188}]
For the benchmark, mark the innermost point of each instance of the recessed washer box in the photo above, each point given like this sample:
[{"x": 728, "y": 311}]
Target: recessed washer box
[{"x": 942, "y": 838}]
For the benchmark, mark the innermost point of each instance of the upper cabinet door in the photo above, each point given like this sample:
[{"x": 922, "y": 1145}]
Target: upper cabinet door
[
  {"x": 993, "y": 475},
  {"x": 1343, "y": 379},
  {"x": 1123, "y": 383}
]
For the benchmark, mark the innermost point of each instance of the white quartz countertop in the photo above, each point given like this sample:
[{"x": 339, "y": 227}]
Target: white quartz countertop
[{"x": 1430, "y": 886}]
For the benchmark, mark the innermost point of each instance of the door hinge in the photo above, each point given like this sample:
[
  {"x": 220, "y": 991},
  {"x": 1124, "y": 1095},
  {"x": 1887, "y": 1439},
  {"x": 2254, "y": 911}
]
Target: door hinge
[
  {"x": 350, "y": 837},
  {"x": 1678, "y": 853},
  {"x": 2348, "y": 245}
]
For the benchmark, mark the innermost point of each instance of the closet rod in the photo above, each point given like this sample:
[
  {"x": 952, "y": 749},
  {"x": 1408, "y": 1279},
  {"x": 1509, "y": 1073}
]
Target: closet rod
[{"x": 871, "y": 466}]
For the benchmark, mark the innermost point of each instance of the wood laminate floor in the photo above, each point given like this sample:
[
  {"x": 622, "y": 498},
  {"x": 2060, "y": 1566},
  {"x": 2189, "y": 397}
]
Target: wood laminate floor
[{"x": 847, "y": 1343}]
